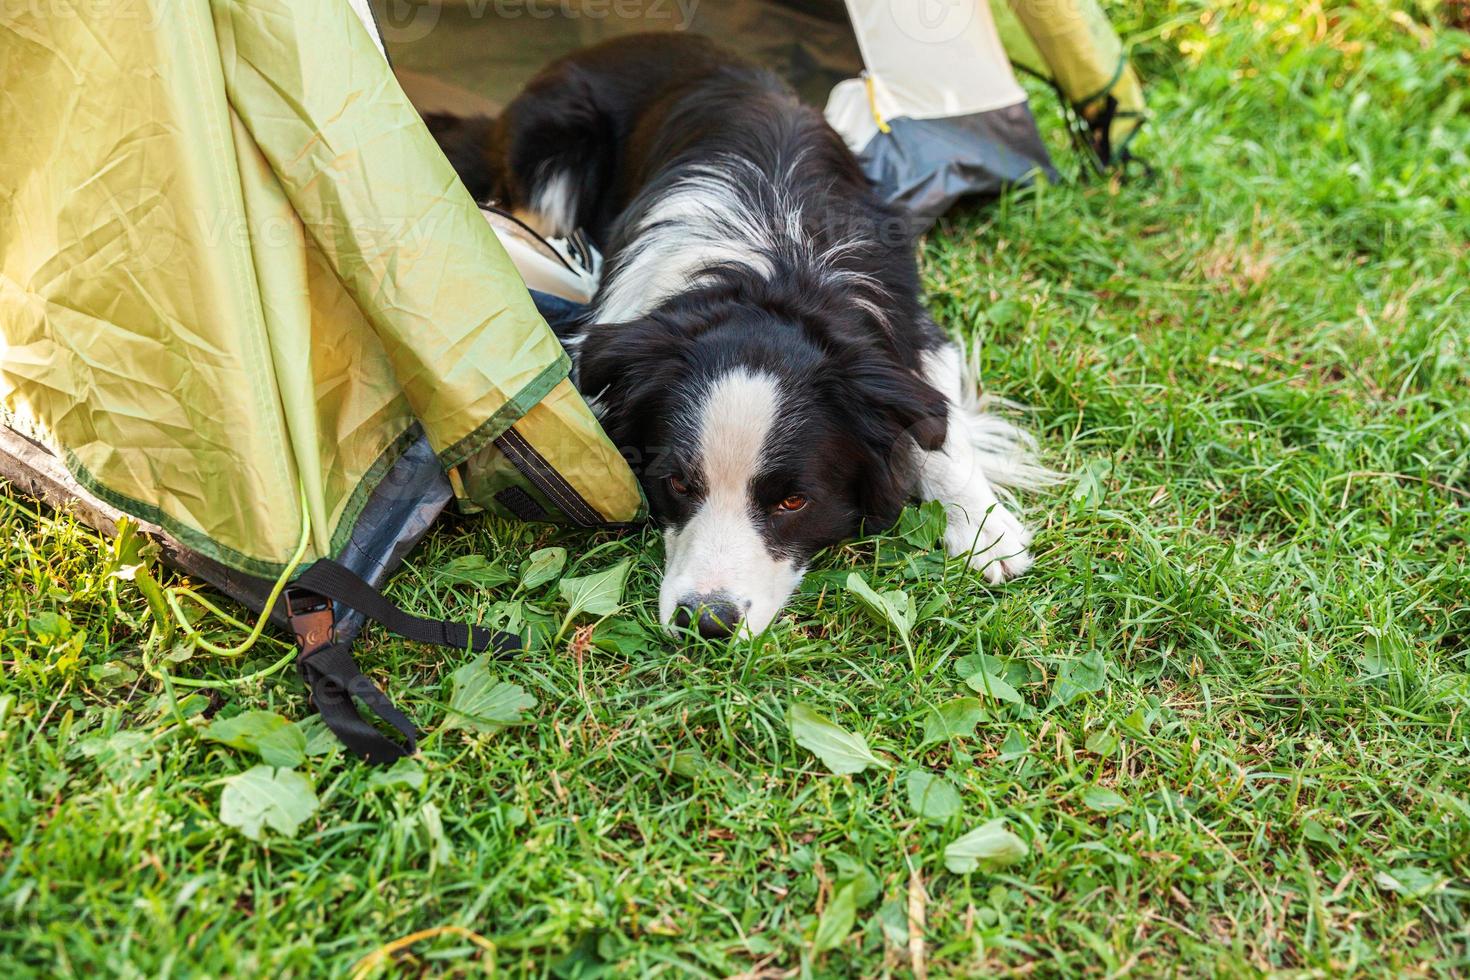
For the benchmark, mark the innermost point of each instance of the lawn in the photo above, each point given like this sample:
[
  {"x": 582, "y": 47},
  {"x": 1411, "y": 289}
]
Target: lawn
[{"x": 1222, "y": 728}]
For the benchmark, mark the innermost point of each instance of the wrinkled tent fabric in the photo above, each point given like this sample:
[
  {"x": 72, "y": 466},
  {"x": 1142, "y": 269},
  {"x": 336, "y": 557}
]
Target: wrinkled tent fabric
[{"x": 233, "y": 263}]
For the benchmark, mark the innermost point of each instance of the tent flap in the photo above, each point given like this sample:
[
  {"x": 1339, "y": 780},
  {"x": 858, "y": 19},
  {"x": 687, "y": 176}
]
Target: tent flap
[
  {"x": 132, "y": 341},
  {"x": 246, "y": 276},
  {"x": 388, "y": 214}
]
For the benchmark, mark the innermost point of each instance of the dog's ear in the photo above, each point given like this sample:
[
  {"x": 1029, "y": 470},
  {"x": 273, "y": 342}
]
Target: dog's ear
[
  {"x": 894, "y": 402},
  {"x": 887, "y": 410},
  {"x": 626, "y": 369}
]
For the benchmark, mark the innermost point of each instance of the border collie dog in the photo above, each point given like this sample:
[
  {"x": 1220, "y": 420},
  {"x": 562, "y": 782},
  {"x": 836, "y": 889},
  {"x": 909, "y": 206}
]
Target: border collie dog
[{"x": 757, "y": 345}]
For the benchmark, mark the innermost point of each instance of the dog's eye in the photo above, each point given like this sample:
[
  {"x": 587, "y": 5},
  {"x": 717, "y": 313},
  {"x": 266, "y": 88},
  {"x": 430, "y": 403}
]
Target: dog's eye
[
  {"x": 679, "y": 485},
  {"x": 792, "y": 504}
]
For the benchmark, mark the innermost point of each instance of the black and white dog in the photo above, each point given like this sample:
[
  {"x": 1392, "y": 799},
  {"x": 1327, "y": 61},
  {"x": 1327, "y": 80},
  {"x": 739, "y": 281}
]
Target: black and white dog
[{"x": 757, "y": 345}]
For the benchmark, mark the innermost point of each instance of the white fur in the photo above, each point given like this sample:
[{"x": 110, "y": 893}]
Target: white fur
[
  {"x": 984, "y": 457},
  {"x": 690, "y": 230},
  {"x": 720, "y": 549},
  {"x": 554, "y": 204}
]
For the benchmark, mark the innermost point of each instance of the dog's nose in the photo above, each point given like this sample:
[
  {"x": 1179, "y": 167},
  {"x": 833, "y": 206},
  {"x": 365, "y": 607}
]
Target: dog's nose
[{"x": 716, "y": 615}]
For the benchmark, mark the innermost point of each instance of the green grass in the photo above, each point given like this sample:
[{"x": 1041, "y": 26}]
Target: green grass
[{"x": 1249, "y": 620}]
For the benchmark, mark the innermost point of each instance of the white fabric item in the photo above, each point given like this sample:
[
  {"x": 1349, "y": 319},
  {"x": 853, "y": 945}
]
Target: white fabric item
[
  {"x": 931, "y": 59},
  {"x": 540, "y": 269},
  {"x": 850, "y": 111}
]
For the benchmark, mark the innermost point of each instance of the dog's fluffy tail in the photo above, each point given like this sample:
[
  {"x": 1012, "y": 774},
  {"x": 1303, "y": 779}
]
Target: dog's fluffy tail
[{"x": 1006, "y": 453}]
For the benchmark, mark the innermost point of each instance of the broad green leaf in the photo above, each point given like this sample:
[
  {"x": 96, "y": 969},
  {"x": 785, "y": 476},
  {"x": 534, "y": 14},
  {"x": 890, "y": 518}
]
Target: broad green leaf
[
  {"x": 1091, "y": 487},
  {"x": 1102, "y": 742},
  {"x": 1013, "y": 672},
  {"x": 893, "y": 608},
  {"x": 123, "y": 755},
  {"x": 1139, "y": 721},
  {"x": 543, "y": 566},
  {"x": 837, "y": 919},
  {"x": 852, "y": 871},
  {"x": 600, "y": 594},
  {"x": 277, "y": 741},
  {"x": 922, "y": 526},
  {"x": 1318, "y": 834},
  {"x": 185, "y": 707},
  {"x": 508, "y": 615},
  {"x": 475, "y": 570},
  {"x": 893, "y": 917},
  {"x": 403, "y": 774},
  {"x": 1410, "y": 882},
  {"x": 995, "y": 686},
  {"x": 114, "y": 673},
  {"x": 1103, "y": 800},
  {"x": 1079, "y": 677},
  {"x": 689, "y": 763},
  {"x": 988, "y": 847},
  {"x": 261, "y": 797},
  {"x": 1014, "y": 746},
  {"x": 180, "y": 652},
  {"x": 625, "y": 638},
  {"x": 953, "y": 719},
  {"x": 932, "y": 796},
  {"x": 481, "y": 703},
  {"x": 319, "y": 738},
  {"x": 843, "y": 752},
  {"x": 1005, "y": 312},
  {"x": 48, "y": 627}
]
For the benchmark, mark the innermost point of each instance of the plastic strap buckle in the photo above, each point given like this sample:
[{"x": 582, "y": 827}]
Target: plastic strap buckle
[{"x": 312, "y": 619}]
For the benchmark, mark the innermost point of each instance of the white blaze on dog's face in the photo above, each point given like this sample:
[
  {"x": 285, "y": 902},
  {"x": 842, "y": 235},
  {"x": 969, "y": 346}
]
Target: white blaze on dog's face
[
  {"x": 756, "y": 449},
  {"x": 722, "y": 564}
]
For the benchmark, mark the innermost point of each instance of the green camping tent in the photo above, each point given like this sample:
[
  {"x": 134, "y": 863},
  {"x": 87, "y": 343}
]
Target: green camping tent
[{"x": 243, "y": 294}]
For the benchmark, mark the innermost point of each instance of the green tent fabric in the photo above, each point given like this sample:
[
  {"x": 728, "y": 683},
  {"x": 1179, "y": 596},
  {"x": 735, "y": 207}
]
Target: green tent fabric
[{"x": 236, "y": 272}]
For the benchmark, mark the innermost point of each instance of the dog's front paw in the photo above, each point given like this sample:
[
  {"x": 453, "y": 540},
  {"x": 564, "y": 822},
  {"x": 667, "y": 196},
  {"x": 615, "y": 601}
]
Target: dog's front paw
[{"x": 993, "y": 542}]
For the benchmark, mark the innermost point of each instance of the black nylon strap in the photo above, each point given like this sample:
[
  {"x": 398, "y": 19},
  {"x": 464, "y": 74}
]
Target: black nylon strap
[
  {"x": 334, "y": 679},
  {"x": 329, "y": 579},
  {"x": 521, "y": 504},
  {"x": 329, "y": 670}
]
